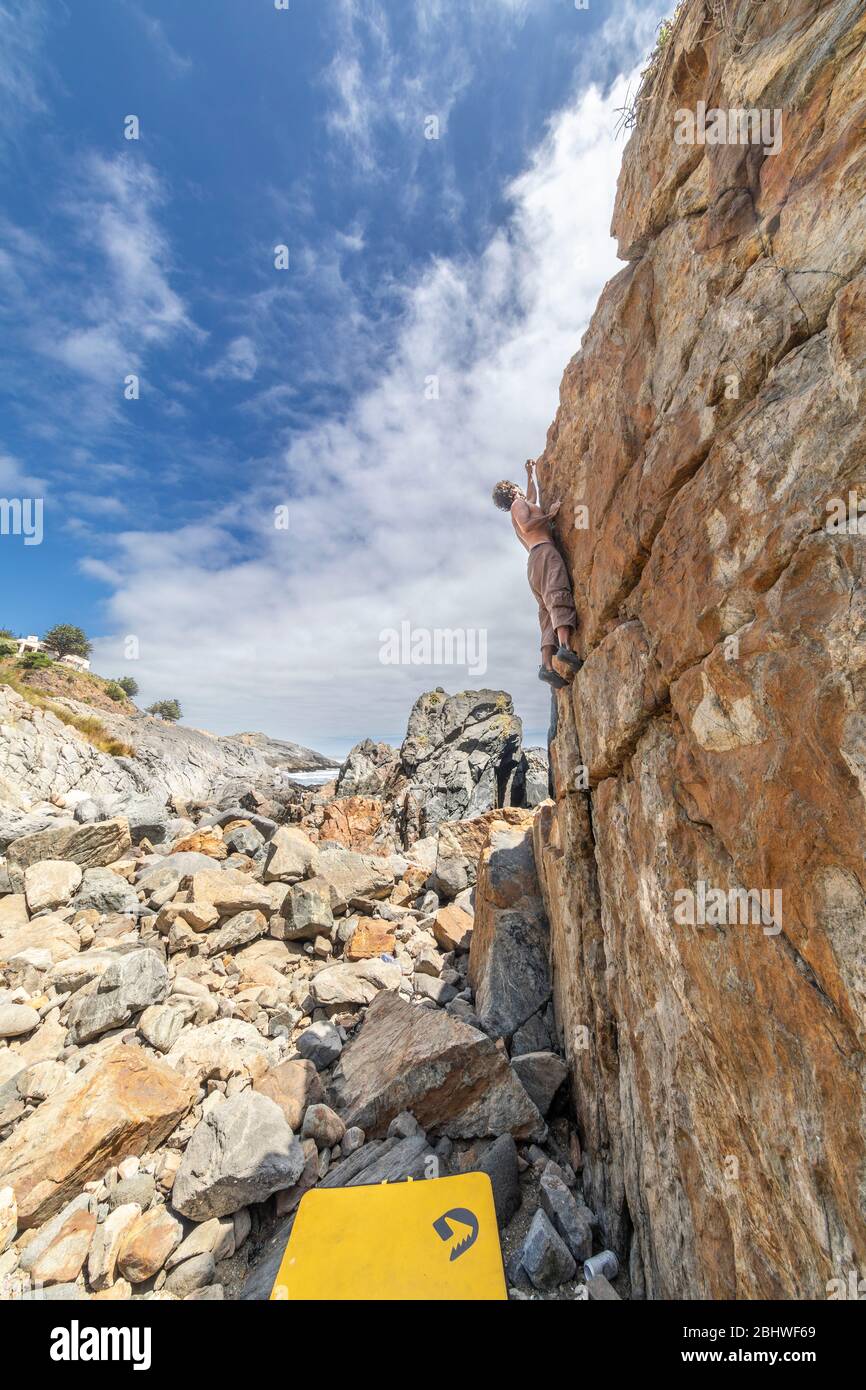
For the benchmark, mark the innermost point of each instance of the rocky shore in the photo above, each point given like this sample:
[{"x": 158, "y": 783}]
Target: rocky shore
[{"x": 210, "y": 1005}]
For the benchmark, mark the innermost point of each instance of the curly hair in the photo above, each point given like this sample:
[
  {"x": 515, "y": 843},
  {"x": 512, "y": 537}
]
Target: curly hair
[{"x": 504, "y": 494}]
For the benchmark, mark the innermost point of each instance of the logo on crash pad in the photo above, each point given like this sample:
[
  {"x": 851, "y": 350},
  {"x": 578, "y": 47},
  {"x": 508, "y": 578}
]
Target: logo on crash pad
[{"x": 457, "y": 1217}]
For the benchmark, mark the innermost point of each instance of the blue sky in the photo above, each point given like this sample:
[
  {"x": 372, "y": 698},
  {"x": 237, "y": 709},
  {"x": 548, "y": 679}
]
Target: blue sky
[{"x": 473, "y": 259}]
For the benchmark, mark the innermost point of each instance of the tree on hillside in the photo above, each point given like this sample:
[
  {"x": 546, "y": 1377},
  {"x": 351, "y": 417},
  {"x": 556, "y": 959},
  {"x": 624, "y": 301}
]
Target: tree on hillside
[
  {"x": 128, "y": 685},
  {"x": 7, "y": 635},
  {"x": 66, "y": 640},
  {"x": 166, "y": 709}
]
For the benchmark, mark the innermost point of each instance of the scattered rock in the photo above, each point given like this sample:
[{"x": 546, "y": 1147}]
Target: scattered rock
[
  {"x": 240, "y": 1153},
  {"x": 545, "y": 1257},
  {"x": 542, "y": 1074},
  {"x": 50, "y": 883}
]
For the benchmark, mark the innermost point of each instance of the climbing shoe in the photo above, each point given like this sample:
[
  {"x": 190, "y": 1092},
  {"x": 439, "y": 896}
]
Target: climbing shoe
[
  {"x": 551, "y": 678},
  {"x": 567, "y": 655}
]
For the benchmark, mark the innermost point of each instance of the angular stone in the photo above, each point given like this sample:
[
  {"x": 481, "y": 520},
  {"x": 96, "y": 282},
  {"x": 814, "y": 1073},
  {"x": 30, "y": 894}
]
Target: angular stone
[
  {"x": 126, "y": 988},
  {"x": 293, "y": 1085},
  {"x": 89, "y": 846},
  {"x": 508, "y": 957},
  {"x": 147, "y": 1243},
  {"x": 452, "y": 928},
  {"x": 51, "y": 933},
  {"x": 321, "y": 1044},
  {"x": 50, "y": 883},
  {"x": 541, "y": 1074},
  {"x": 353, "y": 876},
  {"x": 567, "y": 1218},
  {"x": 224, "y": 1048},
  {"x": 13, "y": 912},
  {"x": 355, "y": 982},
  {"x": 308, "y": 911},
  {"x": 239, "y": 930},
  {"x": 499, "y": 1161},
  {"x": 230, "y": 891},
  {"x": 370, "y": 938},
  {"x": 17, "y": 1019},
  {"x": 8, "y": 1217},
  {"x": 106, "y": 1242},
  {"x": 102, "y": 890},
  {"x": 241, "y": 1152},
  {"x": 545, "y": 1256},
  {"x": 452, "y": 1078},
  {"x": 161, "y": 1025},
  {"x": 292, "y": 856},
  {"x": 122, "y": 1103},
  {"x": 62, "y": 1261}
]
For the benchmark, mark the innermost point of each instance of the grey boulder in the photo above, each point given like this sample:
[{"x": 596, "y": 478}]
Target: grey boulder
[{"x": 241, "y": 1152}]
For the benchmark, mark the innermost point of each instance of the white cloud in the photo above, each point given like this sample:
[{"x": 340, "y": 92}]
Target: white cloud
[
  {"x": 22, "y": 28},
  {"x": 390, "y": 511},
  {"x": 239, "y": 361}
]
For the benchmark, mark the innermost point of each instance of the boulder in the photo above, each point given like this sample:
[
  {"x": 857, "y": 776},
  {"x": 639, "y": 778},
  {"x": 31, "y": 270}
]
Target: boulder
[
  {"x": 293, "y": 1085},
  {"x": 50, "y": 883},
  {"x": 508, "y": 956},
  {"x": 229, "y": 891},
  {"x": 161, "y": 1025},
  {"x": 51, "y": 933},
  {"x": 104, "y": 1248},
  {"x": 357, "y": 822},
  {"x": 459, "y": 752},
  {"x": 292, "y": 856},
  {"x": 17, "y": 1019},
  {"x": 499, "y": 1162},
  {"x": 352, "y": 876},
  {"x": 370, "y": 938},
  {"x": 239, "y": 930},
  {"x": 452, "y": 1078},
  {"x": 219, "y": 1050},
  {"x": 147, "y": 1243},
  {"x": 105, "y": 891},
  {"x": 241, "y": 1152},
  {"x": 13, "y": 912},
  {"x": 541, "y": 1074},
  {"x": 321, "y": 1044},
  {"x": 128, "y": 986},
  {"x": 122, "y": 1103},
  {"x": 571, "y": 1221},
  {"x": 452, "y": 928},
  {"x": 354, "y": 982},
  {"x": 89, "y": 846},
  {"x": 308, "y": 912},
  {"x": 545, "y": 1256}
]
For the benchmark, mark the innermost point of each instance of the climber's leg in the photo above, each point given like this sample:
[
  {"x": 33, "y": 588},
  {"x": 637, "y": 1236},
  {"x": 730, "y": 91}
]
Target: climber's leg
[{"x": 547, "y": 654}]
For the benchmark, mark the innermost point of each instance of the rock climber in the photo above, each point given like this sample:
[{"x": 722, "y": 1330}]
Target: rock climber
[{"x": 548, "y": 577}]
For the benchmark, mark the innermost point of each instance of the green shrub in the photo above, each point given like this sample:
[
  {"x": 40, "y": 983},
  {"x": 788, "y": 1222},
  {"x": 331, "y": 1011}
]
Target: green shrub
[
  {"x": 35, "y": 661},
  {"x": 115, "y": 690}
]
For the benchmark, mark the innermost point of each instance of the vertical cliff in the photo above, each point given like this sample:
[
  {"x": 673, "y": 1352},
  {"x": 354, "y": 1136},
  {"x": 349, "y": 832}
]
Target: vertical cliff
[{"x": 710, "y": 433}]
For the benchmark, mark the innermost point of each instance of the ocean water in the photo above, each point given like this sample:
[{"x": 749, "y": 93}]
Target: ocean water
[{"x": 314, "y": 778}]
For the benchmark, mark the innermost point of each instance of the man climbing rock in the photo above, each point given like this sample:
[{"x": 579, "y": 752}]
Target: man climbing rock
[{"x": 548, "y": 577}]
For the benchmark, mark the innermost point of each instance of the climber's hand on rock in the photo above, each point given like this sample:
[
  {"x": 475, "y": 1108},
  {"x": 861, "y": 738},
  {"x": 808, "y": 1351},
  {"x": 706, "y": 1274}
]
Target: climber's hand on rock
[{"x": 530, "y": 464}]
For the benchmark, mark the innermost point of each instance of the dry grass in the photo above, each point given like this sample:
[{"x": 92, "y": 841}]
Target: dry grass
[
  {"x": 87, "y": 725},
  {"x": 630, "y": 112}
]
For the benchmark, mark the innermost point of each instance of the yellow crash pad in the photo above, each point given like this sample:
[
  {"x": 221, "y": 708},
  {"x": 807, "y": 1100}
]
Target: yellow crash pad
[{"x": 431, "y": 1239}]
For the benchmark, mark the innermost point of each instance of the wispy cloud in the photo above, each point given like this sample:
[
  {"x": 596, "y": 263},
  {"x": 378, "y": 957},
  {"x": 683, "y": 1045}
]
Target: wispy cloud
[
  {"x": 23, "y": 25},
  {"x": 389, "y": 507}
]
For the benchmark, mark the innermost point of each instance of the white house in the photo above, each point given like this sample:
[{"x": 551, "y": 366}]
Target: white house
[{"x": 33, "y": 644}]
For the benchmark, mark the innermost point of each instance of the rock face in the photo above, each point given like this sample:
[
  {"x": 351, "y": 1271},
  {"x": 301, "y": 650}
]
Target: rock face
[
  {"x": 508, "y": 955},
  {"x": 710, "y": 432},
  {"x": 118, "y": 1106},
  {"x": 451, "y": 1077},
  {"x": 459, "y": 752},
  {"x": 461, "y": 757}
]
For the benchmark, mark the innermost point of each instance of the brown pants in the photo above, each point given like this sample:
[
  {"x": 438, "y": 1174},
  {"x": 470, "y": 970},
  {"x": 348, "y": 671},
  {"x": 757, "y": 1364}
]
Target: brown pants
[{"x": 549, "y": 581}]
